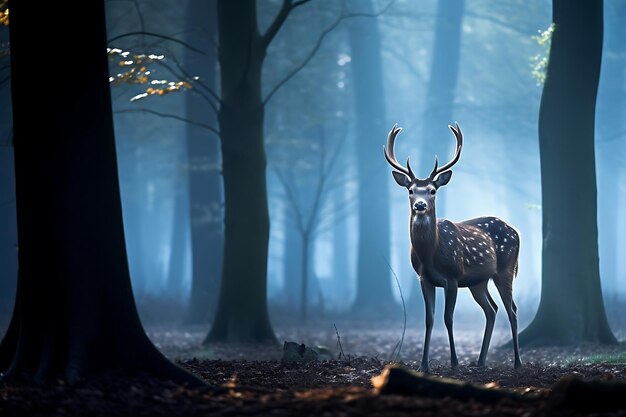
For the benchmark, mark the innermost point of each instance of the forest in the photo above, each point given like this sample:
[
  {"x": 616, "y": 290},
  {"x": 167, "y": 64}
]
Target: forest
[{"x": 312, "y": 207}]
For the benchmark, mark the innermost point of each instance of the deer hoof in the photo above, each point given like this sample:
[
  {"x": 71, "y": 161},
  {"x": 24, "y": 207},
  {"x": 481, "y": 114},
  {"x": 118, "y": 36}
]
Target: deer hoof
[{"x": 518, "y": 364}]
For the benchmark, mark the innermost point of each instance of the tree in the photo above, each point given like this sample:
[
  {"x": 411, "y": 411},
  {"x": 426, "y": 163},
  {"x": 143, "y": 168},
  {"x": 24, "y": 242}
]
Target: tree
[
  {"x": 571, "y": 308},
  {"x": 306, "y": 194},
  {"x": 74, "y": 315},
  {"x": 205, "y": 181},
  {"x": 8, "y": 237},
  {"x": 373, "y": 275},
  {"x": 442, "y": 82},
  {"x": 242, "y": 314}
]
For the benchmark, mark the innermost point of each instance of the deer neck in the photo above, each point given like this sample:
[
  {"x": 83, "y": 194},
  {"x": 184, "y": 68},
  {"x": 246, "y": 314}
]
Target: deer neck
[{"x": 424, "y": 235}]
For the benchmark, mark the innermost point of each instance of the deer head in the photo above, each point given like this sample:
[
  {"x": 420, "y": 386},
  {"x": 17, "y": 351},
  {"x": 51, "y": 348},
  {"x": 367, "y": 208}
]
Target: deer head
[{"x": 422, "y": 191}]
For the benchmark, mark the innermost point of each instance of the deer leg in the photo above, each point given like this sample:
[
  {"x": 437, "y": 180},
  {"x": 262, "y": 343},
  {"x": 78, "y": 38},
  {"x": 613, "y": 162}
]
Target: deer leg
[
  {"x": 451, "y": 290},
  {"x": 480, "y": 293},
  {"x": 428, "y": 291},
  {"x": 504, "y": 284}
]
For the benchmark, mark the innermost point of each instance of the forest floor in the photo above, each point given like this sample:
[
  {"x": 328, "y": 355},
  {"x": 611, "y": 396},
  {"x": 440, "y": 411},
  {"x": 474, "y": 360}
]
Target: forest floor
[{"x": 252, "y": 380}]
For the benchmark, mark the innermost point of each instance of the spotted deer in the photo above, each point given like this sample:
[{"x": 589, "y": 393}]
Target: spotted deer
[{"x": 452, "y": 255}]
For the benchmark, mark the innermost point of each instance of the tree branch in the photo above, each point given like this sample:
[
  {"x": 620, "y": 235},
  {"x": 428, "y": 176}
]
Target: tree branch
[
  {"x": 293, "y": 201},
  {"x": 192, "y": 81},
  {"x": 171, "y": 116},
  {"x": 318, "y": 44},
  {"x": 285, "y": 9},
  {"x": 209, "y": 90},
  {"x": 156, "y": 35}
]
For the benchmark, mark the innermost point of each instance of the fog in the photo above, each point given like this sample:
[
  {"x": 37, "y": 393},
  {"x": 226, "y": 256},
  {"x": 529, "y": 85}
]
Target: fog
[{"x": 314, "y": 142}]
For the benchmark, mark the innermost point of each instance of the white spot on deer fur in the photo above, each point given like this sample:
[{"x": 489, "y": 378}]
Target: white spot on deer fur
[
  {"x": 505, "y": 239},
  {"x": 474, "y": 257},
  {"x": 491, "y": 222}
]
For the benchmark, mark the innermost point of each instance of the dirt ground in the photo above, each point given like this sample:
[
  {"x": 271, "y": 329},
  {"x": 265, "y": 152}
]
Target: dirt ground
[{"x": 253, "y": 381}]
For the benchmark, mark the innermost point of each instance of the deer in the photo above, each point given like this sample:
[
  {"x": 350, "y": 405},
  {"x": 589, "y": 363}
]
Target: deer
[{"x": 452, "y": 255}]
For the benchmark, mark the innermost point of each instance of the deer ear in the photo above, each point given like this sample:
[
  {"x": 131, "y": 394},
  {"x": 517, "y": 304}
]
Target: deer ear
[
  {"x": 443, "y": 179},
  {"x": 401, "y": 179}
]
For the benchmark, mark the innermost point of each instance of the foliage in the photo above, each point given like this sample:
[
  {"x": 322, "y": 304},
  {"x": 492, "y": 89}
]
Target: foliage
[
  {"x": 136, "y": 70},
  {"x": 539, "y": 62},
  {"x": 4, "y": 12}
]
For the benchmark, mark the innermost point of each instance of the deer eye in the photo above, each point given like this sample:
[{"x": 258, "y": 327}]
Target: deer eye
[
  {"x": 410, "y": 191},
  {"x": 433, "y": 191}
]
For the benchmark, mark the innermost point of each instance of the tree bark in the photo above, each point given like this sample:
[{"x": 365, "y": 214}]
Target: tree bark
[
  {"x": 374, "y": 294},
  {"x": 242, "y": 314},
  {"x": 571, "y": 309},
  {"x": 205, "y": 180},
  {"x": 75, "y": 316}
]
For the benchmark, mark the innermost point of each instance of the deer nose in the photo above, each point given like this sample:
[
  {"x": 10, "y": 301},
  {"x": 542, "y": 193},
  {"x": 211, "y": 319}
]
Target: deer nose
[{"x": 419, "y": 206}]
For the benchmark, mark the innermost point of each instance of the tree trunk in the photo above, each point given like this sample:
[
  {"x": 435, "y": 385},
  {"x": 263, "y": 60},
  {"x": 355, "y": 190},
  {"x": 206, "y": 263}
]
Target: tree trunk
[
  {"x": 374, "y": 294},
  {"x": 291, "y": 263},
  {"x": 442, "y": 83},
  {"x": 342, "y": 280},
  {"x": 205, "y": 180},
  {"x": 178, "y": 245},
  {"x": 242, "y": 314},
  {"x": 304, "y": 271},
  {"x": 8, "y": 242},
  {"x": 75, "y": 316},
  {"x": 571, "y": 309}
]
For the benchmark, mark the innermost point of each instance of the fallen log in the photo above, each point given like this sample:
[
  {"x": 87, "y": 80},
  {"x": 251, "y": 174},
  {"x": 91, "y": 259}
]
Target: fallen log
[{"x": 397, "y": 379}]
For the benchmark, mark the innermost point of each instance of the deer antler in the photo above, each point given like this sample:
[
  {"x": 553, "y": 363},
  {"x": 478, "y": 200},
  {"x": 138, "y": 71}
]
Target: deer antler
[
  {"x": 390, "y": 155},
  {"x": 458, "y": 134}
]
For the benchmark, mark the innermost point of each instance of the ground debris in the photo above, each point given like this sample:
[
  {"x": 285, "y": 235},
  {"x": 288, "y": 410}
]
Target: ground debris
[{"x": 398, "y": 379}]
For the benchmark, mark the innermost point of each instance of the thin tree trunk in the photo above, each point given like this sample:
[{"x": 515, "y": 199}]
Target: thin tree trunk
[
  {"x": 304, "y": 271},
  {"x": 442, "y": 84},
  {"x": 374, "y": 294},
  {"x": 292, "y": 261},
  {"x": 178, "y": 245},
  {"x": 571, "y": 308},
  {"x": 205, "y": 181},
  {"x": 75, "y": 316}
]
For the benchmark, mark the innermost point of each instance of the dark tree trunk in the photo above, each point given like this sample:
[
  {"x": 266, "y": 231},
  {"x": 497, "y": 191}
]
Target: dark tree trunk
[
  {"x": 571, "y": 309},
  {"x": 374, "y": 294},
  {"x": 75, "y": 316},
  {"x": 8, "y": 238},
  {"x": 205, "y": 180},
  {"x": 242, "y": 314},
  {"x": 8, "y": 228}
]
